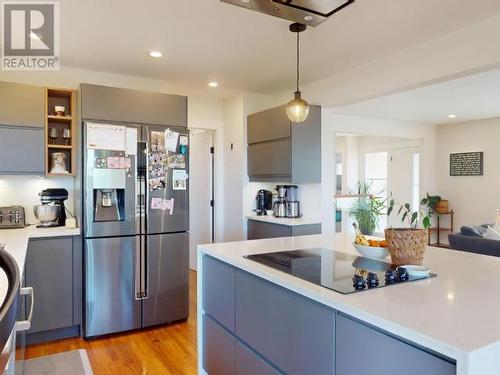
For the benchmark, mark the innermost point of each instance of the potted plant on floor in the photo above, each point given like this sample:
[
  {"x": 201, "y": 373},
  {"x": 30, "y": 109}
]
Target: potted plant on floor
[
  {"x": 367, "y": 208},
  {"x": 407, "y": 245}
]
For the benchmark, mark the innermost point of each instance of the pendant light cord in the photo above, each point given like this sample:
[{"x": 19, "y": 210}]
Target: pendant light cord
[{"x": 298, "y": 60}]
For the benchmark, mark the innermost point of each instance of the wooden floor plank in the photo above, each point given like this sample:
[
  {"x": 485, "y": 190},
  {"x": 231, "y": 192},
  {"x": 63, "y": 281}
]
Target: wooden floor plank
[{"x": 167, "y": 350}]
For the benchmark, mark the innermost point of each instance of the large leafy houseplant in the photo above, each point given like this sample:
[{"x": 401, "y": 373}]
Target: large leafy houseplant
[{"x": 367, "y": 208}]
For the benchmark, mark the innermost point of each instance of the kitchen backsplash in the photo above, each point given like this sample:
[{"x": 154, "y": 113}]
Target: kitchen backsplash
[{"x": 23, "y": 190}]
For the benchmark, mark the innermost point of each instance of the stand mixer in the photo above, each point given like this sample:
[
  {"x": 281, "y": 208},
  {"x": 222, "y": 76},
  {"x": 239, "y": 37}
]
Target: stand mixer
[{"x": 52, "y": 212}]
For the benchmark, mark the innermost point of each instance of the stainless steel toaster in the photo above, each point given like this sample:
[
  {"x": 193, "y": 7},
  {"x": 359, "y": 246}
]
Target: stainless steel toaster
[{"x": 12, "y": 217}]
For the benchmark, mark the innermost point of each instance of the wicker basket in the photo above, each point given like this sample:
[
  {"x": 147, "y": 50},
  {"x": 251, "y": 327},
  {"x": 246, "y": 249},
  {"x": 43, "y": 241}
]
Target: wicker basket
[
  {"x": 442, "y": 207},
  {"x": 407, "y": 246}
]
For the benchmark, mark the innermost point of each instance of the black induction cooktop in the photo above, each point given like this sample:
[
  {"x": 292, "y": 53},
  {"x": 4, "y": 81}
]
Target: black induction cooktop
[{"x": 341, "y": 272}]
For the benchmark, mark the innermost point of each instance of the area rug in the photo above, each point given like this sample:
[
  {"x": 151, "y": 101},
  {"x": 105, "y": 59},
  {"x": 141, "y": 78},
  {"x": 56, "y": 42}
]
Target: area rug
[{"x": 75, "y": 362}]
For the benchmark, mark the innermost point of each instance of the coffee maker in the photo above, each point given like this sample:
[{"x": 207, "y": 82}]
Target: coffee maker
[
  {"x": 280, "y": 206},
  {"x": 55, "y": 197},
  {"x": 264, "y": 201},
  {"x": 287, "y": 204}
]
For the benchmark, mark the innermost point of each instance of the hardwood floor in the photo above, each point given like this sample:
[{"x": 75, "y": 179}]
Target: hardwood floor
[{"x": 166, "y": 350}]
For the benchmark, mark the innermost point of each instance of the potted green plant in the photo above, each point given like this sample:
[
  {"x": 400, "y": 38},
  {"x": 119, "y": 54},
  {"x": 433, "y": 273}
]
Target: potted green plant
[
  {"x": 407, "y": 245},
  {"x": 435, "y": 204},
  {"x": 431, "y": 201},
  {"x": 367, "y": 208}
]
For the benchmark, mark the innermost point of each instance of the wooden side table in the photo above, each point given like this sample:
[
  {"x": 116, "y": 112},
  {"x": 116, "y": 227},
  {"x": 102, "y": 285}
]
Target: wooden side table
[{"x": 438, "y": 229}]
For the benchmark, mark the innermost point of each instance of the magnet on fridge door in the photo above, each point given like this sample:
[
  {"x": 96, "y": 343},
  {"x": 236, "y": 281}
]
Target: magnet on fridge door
[
  {"x": 179, "y": 177},
  {"x": 171, "y": 139}
]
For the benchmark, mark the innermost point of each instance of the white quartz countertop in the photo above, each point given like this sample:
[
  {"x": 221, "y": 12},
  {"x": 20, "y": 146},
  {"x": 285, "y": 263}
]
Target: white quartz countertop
[
  {"x": 456, "y": 313},
  {"x": 16, "y": 244},
  {"x": 284, "y": 221}
]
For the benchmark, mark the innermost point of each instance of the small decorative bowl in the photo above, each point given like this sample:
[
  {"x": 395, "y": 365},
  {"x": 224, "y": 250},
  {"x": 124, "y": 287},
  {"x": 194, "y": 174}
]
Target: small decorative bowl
[
  {"x": 372, "y": 252},
  {"x": 60, "y": 110}
]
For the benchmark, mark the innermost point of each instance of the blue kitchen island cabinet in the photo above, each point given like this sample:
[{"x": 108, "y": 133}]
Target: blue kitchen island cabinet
[{"x": 253, "y": 326}]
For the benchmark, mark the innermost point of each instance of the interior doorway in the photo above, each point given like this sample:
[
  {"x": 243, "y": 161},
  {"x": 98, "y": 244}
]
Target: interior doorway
[
  {"x": 201, "y": 176},
  {"x": 388, "y": 167},
  {"x": 404, "y": 179}
]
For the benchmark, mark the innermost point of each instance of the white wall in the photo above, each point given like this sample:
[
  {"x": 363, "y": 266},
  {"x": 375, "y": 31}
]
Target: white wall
[
  {"x": 71, "y": 77},
  {"x": 474, "y": 199},
  {"x": 200, "y": 192},
  {"x": 233, "y": 149},
  {"x": 207, "y": 113},
  {"x": 239, "y": 193}
]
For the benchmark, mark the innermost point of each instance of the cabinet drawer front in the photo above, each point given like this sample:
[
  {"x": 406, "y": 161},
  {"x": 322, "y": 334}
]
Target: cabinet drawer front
[
  {"x": 381, "y": 354},
  {"x": 293, "y": 333},
  {"x": 49, "y": 270},
  {"x": 268, "y": 125},
  {"x": 248, "y": 363},
  {"x": 22, "y": 150},
  {"x": 218, "y": 352},
  {"x": 218, "y": 291},
  {"x": 258, "y": 229},
  {"x": 270, "y": 158}
]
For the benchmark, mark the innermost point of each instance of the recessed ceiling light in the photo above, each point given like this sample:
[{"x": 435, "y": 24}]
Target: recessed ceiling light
[
  {"x": 308, "y": 18},
  {"x": 155, "y": 54},
  {"x": 245, "y": 1},
  {"x": 452, "y": 116},
  {"x": 213, "y": 84}
]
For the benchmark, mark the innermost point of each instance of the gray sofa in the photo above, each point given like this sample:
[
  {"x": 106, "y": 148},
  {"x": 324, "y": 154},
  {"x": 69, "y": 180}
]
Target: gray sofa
[{"x": 472, "y": 241}]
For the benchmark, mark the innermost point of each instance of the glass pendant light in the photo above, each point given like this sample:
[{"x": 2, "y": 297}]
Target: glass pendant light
[{"x": 297, "y": 109}]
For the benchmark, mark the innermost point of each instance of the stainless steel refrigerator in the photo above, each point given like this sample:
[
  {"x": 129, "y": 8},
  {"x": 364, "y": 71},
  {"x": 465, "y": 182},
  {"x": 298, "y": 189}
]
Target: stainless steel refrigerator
[{"x": 135, "y": 225}]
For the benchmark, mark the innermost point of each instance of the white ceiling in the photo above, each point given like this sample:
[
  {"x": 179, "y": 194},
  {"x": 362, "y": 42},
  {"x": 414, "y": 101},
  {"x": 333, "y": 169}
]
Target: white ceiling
[
  {"x": 469, "y": 98},
  {"x": 205, "y": 40}
]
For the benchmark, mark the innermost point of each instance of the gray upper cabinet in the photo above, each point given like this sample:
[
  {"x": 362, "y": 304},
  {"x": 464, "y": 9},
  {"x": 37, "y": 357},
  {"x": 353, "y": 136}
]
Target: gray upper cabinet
[
  {"x": 22, "y": 105},
  {"x": 282, "y": 151},
  {"x": 363, "y": 350},
  {"x": 268, "y": 125},
  {"x": 306, "y": 147},
  {"x": 270, "y": 160},
  {"x": 22, "y": 150},
  {"x": 117, "y": 104}
]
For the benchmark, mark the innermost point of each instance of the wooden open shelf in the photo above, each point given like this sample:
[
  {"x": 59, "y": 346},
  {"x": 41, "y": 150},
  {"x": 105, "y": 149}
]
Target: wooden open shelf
[
  {"x": 63, "y": 147},
  {"x": 56, "y": 118},
  {"x": 67, "y": 98},
  {"x": 438, "y": 229}
]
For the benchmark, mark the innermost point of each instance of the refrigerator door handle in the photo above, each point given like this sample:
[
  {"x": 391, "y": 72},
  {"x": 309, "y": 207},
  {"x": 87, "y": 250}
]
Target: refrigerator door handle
[
  {"x": 146, "y": 189},
  {"x": 145, "y": 268},
  {"x": 138, "y": 268}
]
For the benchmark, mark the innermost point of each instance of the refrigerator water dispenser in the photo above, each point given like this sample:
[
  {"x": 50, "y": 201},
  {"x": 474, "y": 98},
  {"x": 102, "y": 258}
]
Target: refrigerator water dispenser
[{"x": 109, "y": 195}]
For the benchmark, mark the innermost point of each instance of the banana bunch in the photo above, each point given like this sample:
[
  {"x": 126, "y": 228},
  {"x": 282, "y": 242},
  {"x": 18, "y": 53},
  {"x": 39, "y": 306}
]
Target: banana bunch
[{"x": 360, "y": 238}]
